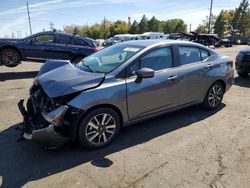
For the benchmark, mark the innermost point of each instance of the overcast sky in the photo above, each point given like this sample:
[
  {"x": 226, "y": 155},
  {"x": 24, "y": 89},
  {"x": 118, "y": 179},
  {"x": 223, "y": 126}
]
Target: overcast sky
[{"x": 13, "y": 13}]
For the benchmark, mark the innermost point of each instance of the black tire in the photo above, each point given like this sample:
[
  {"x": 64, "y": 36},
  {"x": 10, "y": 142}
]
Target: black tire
[
  {"x": 10, "y": 57},
  {"x": 213, "y": 96},
  {"x": 76, "y": 60},
  {"x": 91, "y": 135},
  {"x": 243, "y": 74}
]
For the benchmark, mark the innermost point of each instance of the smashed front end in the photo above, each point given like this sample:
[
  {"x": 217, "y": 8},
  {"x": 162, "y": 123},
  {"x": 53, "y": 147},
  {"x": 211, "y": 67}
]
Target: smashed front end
[{"x": 45, "y": 120}]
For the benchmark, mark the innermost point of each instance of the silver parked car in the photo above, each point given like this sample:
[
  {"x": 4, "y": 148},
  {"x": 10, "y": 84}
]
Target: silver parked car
[{"x": 128, "y": 82}]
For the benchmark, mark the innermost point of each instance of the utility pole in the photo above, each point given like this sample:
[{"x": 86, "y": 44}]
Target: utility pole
[
  {"x": 28, "y": 10},
  {"x": 210, "y": 18},
  {"x": 190, "y": 28}
]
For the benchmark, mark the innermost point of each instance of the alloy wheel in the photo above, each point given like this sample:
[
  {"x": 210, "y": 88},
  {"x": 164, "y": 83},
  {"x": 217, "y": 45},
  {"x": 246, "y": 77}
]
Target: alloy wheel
[
  {"x": 10, "y": 58},
  {"x": 100, "y": 129},
  {"x": 215, "y": 96}
]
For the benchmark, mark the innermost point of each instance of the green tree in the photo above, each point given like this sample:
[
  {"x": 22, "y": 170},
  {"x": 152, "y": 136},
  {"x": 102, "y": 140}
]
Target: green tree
[
  {"x": 219, "y": 25},
  {"x": 241, "y": 18},
  {"x": 154, "y": 25},
  {"x": 143, "y": 25},
  {"x": 174, "y": 26},
  {"x": 119, "y": 27},
  {"x": 223, "y": 23},
  {"x": 201, "y": 29},
  {"x": 134, "y": 29}
]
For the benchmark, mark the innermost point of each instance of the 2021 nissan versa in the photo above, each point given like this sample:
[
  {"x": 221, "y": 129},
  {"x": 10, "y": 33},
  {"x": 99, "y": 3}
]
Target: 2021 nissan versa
[{"x": 89, "y": 102}]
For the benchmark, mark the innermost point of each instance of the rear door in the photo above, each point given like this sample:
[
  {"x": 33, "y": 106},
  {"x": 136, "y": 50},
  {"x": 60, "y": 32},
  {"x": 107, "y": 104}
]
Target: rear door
[
  {"x": 155, "y": 94},
  {"x": 192, "y": 74},
  {"x": 63, "y": 47}
]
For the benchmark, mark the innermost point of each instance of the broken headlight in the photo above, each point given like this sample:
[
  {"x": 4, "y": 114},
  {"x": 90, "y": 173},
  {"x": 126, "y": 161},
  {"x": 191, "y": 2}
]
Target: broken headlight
[{"x": 55, "y": 116}]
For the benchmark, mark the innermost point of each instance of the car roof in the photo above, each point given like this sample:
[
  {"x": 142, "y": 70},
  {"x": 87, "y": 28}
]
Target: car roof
[
  {"x": 147, "y": 43},
  {"x": 60, "y": 33}
]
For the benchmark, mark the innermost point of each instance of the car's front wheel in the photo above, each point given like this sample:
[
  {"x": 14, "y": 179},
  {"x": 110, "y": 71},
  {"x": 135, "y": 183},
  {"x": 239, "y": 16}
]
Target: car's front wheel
[
  {"x": 213, "y": 96},
  {"x": 99, "y": 128}
]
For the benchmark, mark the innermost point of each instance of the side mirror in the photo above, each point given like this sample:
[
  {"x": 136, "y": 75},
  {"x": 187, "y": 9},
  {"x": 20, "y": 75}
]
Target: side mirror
[
  {"x": 32, "y": 40},
  {"x": 145, "y": 73}
]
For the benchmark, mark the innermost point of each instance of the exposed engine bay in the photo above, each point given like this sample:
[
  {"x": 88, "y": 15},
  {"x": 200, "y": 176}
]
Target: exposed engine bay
[{"x": 46, "y": 120}]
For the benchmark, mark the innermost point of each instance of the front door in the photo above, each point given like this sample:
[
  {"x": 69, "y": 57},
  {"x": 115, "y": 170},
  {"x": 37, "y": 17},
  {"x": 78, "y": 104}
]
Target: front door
[
  {"x": 40, "y": 47},
  {"x": 155, "y": 94}
]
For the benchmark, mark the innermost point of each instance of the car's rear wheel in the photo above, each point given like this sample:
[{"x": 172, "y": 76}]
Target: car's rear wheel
[
  {"x": 214, "y": 96},
  {"x": 99, "y": 128},
  {"x": 10, "y": 57}
]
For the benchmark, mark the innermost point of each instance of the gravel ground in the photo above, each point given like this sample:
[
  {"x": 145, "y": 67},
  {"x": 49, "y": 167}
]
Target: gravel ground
[{"x": 188, "y": 148}]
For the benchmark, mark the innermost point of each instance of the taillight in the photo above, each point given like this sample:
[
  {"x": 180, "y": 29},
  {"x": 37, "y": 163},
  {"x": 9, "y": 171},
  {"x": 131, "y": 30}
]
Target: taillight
[{"x": 231, "y": 64}]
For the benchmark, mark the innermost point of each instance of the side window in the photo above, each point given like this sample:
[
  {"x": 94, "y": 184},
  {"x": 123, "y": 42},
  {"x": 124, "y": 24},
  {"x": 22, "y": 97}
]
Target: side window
[
  {"x": 189, "y": 55},
  {"x": 204, "y": 54},
  {"x": 81, "y": 42},
  {"x": 158, "y": 59},
  {"x": 64, "y": 39},
  {"x": 45, "y": 38}
]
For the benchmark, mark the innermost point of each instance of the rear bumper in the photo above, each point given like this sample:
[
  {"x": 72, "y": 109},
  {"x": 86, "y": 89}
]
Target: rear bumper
[{"x": 45, "y": 136}]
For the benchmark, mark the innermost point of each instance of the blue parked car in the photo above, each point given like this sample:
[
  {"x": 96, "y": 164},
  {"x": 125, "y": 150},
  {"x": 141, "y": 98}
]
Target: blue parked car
[{"x": 44, "y": 46}]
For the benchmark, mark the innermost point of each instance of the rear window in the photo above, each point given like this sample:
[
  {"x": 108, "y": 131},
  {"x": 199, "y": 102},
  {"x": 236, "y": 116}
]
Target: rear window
[
  {"x": 64, "y": 39},
  {"x": 81, "y": 42},
  {"x": 204, "y": 54},
  {"x": 189, "y": 55}
]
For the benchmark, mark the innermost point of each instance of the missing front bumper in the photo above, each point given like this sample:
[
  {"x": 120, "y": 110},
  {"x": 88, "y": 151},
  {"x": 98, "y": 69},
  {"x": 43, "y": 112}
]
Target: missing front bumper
[{"x": 45, "y": 136}]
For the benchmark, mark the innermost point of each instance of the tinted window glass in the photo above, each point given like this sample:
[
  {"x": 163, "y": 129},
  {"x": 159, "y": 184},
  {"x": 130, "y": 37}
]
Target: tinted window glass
[
  {"x": 81, "y": 42},
  {"x": 189, "y": 55},
  {"x": 45, "y": 38},
  {"x": 158, "y": 59},
  {"x": 64, "y": 39},
  {"x": 204, "y": 54}
]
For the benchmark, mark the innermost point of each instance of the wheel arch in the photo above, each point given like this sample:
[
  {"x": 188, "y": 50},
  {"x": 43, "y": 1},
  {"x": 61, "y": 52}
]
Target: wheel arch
[
  {"x": 84, "y": 113},
  {"x": 220, "y": 81},
  {"x": 11, "y": 47}
]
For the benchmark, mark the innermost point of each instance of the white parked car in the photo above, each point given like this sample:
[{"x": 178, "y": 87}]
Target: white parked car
[{"x": 152, "y": 35}]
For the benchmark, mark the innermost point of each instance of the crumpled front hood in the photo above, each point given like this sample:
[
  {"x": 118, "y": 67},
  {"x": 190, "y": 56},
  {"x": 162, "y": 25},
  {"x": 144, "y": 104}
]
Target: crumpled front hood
[{"x": 68, "y": 79}]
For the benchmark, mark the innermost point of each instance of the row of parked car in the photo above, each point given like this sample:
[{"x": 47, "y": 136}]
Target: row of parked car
[
  {"x": 205, "y": 39},
  {"x": 56, "y": 45}
]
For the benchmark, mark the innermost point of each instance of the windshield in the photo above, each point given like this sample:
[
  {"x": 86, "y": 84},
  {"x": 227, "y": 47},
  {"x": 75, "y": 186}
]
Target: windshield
[{"x": 108, "y": 59}]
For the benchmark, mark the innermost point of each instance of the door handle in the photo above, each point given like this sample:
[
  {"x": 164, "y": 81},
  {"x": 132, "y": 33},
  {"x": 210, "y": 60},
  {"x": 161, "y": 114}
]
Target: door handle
[
  {"x": 209, "y": 66},
  {"x": 172, "y": 78}
]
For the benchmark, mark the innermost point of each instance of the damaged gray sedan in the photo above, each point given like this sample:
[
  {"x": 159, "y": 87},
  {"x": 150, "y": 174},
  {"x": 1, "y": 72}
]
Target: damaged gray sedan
[{"x": 128, "y": 82}]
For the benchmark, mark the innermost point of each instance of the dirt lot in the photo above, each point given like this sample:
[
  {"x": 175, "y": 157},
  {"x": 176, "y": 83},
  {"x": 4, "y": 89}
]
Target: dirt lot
[{"x": 188, "y": 148}]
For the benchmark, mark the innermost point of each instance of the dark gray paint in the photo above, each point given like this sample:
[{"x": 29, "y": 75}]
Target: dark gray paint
[{"x": 168, "y": 90}]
